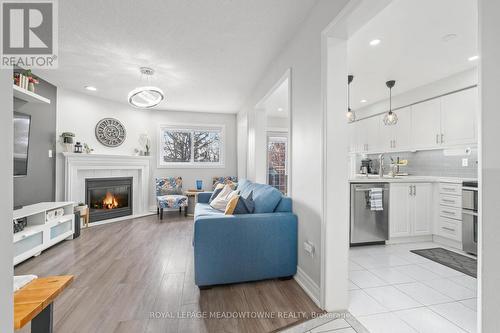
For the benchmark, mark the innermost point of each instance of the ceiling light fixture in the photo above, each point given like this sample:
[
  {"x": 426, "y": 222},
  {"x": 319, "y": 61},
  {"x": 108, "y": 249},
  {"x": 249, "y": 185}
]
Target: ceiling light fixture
[
  {"x": 363, "y": 101},
  {"x": 375, "y": 42},
  {"x": 390, "y": 118},
  {"x": 148, "y": 96},
  {"x": 473, "y": 58},
  {"x": 350, "y": 115},
  {"x": 280, "y": 109},
  {"x": 91, "y": 88}
]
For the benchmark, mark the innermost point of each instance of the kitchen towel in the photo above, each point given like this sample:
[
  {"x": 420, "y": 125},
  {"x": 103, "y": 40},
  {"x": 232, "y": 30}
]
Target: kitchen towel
[{"x": 376, "y": 199}]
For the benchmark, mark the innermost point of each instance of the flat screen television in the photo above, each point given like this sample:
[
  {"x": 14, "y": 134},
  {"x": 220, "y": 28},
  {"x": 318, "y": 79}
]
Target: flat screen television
[{"x": 22, "y": 123}]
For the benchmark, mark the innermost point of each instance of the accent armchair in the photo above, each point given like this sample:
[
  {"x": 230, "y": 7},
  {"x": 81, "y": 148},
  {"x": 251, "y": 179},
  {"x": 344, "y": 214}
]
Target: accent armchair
[{"x": 169, "y": 195}]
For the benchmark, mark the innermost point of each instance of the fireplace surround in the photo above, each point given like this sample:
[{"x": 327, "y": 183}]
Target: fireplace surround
[{"x": 109, "y": 198}]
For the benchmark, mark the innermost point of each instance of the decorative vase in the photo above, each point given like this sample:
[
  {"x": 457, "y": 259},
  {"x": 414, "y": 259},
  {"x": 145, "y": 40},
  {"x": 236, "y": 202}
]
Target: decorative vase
[
  {"x": 199, "y": 185},
  {"x": 68, "y": 147},
  {"x": 31, "y": 87}
]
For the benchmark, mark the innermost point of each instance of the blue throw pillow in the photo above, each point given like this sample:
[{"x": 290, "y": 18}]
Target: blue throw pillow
[{"x": 240, "y": 205}]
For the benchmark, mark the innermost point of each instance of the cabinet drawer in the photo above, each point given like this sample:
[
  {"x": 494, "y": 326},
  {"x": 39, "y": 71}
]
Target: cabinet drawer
[
  {"x": 449, "y": 188},
  {"x": 450, "y": 212},
  {"x": 449, "y": 228},
  {"x": 450, "y": 200}
]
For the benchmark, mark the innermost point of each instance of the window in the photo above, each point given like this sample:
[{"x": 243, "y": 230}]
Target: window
[
  {"x": 277, "y": 161},
  {"x": 191, "y": 146}
]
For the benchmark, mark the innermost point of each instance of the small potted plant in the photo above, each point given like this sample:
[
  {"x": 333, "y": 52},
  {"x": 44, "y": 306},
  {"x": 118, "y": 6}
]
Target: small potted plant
[
  {"x": 81, "y": 207},
  {"x": 32, "y": 80}
]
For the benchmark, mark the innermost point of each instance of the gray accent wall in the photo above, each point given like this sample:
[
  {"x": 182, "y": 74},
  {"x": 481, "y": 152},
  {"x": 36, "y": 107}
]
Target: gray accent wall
[{"x": 39, "y": 184}]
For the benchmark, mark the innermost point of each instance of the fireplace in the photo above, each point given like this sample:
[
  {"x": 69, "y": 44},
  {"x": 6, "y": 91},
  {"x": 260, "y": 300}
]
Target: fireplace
[{"x": 108, "y": 198}]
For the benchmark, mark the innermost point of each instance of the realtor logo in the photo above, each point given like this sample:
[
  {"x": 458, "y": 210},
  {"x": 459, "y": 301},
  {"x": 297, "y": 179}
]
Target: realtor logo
[{"x": 29, "y": 34}]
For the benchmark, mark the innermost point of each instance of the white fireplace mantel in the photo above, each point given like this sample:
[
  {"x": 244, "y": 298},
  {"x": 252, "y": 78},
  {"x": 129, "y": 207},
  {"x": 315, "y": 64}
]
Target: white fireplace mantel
[{"x": 78, "y": 167}]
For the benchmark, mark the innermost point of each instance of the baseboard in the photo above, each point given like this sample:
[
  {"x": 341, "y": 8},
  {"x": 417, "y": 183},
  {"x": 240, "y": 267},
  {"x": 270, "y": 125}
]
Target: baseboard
[
  {"x": 118, "y": 219},
  {"x": 308, "y": 285},
  {"x": 410, "y": 239}
]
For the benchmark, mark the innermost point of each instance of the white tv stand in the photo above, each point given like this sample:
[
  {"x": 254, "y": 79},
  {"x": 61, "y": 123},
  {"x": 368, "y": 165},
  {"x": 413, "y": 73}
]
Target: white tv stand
[{"x": 40, "y": 233}]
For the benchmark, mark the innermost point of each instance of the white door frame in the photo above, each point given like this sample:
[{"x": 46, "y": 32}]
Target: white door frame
[
  {"x": 260, "y": 105},
  {"x": 335, "y": 146}
]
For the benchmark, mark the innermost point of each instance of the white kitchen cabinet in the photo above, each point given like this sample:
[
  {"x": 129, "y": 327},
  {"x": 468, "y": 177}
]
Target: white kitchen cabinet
[
  {"x": 426, "y": 124},
  {"x": 410, "y": 211},
  {"x": 422, "y": 209},
  {"x": 368, "y": 135},
  {"x": 458, "y": 117},
  {"x": 399, "y": 210},
  {"x": 353, "y": 140},
  {"x": 397, "y": 137}
]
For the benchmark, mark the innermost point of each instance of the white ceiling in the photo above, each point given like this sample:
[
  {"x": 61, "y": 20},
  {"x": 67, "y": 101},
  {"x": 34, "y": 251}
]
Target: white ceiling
[
  {"x": 412, "y": 50},
  {"x": 278, "y": 103},
  {"x": 208, "y": 55}
]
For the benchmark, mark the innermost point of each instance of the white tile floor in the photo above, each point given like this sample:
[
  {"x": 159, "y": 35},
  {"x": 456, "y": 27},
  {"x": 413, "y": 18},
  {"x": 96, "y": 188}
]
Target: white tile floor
[{"x": 394, "y": 290}]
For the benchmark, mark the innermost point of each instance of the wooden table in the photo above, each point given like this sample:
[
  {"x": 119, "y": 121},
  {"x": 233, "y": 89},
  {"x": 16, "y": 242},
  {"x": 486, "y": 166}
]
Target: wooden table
[
  {"x": 192, "y": 199},
  {"x": 34, "y": 302}
]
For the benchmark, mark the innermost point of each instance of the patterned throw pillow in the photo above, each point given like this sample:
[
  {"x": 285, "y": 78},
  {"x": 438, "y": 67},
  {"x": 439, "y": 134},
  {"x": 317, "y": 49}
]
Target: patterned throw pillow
[
  {"x": 220, "y": 202},
  {"x": 216, "y": 192},
  {"x": 240, "y": 205}
]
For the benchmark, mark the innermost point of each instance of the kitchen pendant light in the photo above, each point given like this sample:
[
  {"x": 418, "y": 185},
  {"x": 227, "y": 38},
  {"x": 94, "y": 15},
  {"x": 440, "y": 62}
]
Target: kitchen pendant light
[
  {"x": 148, "y": 96},
  {"x": 350, "y": 115},
  {"x": 390, "y": 118}
]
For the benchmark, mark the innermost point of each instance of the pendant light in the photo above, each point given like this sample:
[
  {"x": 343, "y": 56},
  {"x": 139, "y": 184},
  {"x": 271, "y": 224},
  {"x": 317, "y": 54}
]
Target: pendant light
[
  {"x": 351, "y": 116},
  {"x": 148, "y": 96},
  {"x": 390, "y": 118}
]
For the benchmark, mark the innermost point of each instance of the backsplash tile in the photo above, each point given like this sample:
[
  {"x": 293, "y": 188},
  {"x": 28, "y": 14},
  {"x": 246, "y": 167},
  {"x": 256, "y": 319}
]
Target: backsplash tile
[{"x": 431, "y": 163}]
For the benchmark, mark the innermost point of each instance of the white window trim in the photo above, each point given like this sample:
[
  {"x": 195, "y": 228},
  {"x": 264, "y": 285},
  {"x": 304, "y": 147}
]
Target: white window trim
[{"x": 192, "y": 164}]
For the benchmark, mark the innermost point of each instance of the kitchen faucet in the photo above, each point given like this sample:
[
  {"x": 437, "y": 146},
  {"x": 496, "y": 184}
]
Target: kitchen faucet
[{"x": 381, "y": 165}]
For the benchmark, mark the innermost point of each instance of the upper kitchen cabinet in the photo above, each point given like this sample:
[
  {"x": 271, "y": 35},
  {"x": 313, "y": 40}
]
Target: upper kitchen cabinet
[
  {"x": 426, "y": 124},
  {"x": 397, "y": 137},
  {"x": 459, "y": 118},
  {"x": 368, "y": 135}
]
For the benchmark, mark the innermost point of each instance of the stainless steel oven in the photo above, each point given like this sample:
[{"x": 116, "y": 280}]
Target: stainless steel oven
[{"x": 469, "y": 217}]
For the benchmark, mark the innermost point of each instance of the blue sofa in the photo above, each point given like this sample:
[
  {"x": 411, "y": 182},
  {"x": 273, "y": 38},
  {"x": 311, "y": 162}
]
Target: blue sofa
[{"x": 247, "y": 247}]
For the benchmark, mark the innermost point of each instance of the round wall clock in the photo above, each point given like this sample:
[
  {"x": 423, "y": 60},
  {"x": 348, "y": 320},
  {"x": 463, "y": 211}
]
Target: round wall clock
[{"x": 110, "y": 132}]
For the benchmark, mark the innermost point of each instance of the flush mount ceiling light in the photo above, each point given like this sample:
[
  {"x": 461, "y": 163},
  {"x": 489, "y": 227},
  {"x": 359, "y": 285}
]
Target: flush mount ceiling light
[
  {"x": 363, "y": 101},
  {"x": 350, "y": 115},
  {"x": 280, "y": 109},
  {"x": 148, "y": 96},
  {"x": 90, "y": 88},
  {"x": 390, "y": 118},
  {"x": 375, "y": 42},
  {"x": 473, "y": 58}
]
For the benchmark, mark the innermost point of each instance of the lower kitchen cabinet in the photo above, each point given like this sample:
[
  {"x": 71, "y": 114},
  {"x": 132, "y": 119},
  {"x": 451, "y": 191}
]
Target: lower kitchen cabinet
[{"x": 410, "y": 209}]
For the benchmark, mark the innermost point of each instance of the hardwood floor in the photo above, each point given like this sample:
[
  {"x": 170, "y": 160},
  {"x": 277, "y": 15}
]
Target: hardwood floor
[{"x": 125, "y": 271}]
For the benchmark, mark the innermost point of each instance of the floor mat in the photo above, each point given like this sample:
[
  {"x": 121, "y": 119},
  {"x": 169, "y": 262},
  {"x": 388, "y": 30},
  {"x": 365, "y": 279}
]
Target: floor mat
[{"x": 450, "y": 259}]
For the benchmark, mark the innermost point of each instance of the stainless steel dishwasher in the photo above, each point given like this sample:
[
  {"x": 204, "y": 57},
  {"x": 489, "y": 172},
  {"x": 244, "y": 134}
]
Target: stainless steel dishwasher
[{"x": 368, "y": 226}]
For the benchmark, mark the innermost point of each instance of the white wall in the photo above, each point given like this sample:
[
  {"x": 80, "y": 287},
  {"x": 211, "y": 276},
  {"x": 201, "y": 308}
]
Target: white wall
[
  {"x": 277, "y": 123},
  {"x": 6, "y": 241},
  {"x": 303, "y": 56},
  {"x": 454, "y": 82},
  {"x": 79, "y": 113},
  {"x": 489, "y": 176}
]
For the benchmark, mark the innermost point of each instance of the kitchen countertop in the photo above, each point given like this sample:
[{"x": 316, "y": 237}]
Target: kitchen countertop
[{"x": 408, "y": 179}]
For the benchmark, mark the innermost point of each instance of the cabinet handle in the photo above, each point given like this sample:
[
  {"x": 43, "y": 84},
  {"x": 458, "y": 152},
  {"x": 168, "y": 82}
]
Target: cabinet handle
[
  {"x": 449, "y": 229},
  {"x": 442, "y": 138},
  {"x": 437, "y": 138}
]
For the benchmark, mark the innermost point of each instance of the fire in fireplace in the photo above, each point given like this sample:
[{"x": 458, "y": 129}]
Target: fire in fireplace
[{"x": 109, "y": 197}]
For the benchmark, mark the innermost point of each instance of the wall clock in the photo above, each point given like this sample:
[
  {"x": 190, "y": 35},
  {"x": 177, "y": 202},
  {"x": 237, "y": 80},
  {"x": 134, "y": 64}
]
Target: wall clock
[{"x": 110, "y": 132}]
